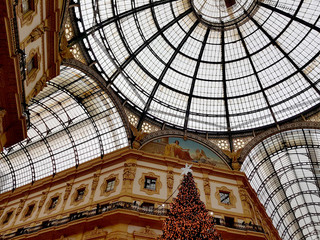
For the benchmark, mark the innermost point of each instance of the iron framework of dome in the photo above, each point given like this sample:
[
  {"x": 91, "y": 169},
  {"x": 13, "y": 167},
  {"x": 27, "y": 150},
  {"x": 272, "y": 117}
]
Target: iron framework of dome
[
  {"x": 284, "y": 171},
  {"x": 73, "y": 121},
  {"x": 207, "y": 66}
]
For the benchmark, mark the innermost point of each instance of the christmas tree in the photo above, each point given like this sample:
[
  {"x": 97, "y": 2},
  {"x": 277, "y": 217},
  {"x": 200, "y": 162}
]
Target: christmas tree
[{"x": 188, "y": 216}]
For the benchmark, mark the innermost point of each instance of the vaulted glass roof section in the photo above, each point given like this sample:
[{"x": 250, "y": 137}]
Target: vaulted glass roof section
[
  {"x": 72, "y": 121},
  {"x": 284, "y": 170},
  {"x": 205, "y": 65}
]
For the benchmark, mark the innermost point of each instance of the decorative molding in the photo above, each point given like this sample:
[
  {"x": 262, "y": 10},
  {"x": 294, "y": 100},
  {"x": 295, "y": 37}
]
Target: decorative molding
[
  {"x": 47, "y": 209},
  {"x": 35, "y": 34},
  {"x": 24, "y": 217},
  {"x": 74, "y": 196},
  {"x": 43, "y": 198},
  {"x": 206, "y": 186},
  {"x": 138, "y": 136},
  {"x": 33, "y": 74},
  {"x": 2, "y": 210},
  {"x": 170, "y": 179},
  {"x": 105, "y": 183},
  {"x": 21, "y": 205},
  {"x": 27, "y": 18},
  {"x": 67, "y": 191},
  {"x": 232, "y": 198},
  {"x": 41, "y": 83},
  {"x": 150, "y": 191},
  {"x": 234, "y": 157},
  {"x": 62, "y": 237},
  {"x": 65, "y": 51},
  {"x": 5, "y": 215},
  {"x": 145, "y": 233},
  {"x": 96, "y": 233},
  {"x": 95, "y": 182},
  {"x": 2, "y": 114},
  {"x": 2, "y": 133},
  {"x": 129, "y": 171}
]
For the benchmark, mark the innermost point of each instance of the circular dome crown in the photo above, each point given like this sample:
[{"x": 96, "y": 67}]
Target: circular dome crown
[
  {"x": 222, "y": 12},
  {"x": 211, "y": 66}
]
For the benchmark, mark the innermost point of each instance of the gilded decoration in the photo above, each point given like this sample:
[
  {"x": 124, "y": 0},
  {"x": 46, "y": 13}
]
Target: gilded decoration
[
  {"x": 24, "y": 216},
  {"x": 103, "y": 188},
  {"x": 20, "y": 207},
  {"x": 145, "y": 233},
  {"x": 170, "y": 179},
  {"x": 74, "y": 200},
  {"x": 31, "y": 76},
  {"x": 138, "y": 136},
  {"x": 2, "y": 113},
  {"x": 2, "y": 135},
  {"x": 232, "y": 198},
  {"x": 151, "y": 176},
  {"x": 49, "y": 202},
  {"x": 206, "y": 186},
  {"x": 129, "y": 171},
  {"x": 234, "y": 157},
  {"x": 67, "y": 191},
  {"x": 35, "y": 34},
  {"x": 245, "y": 200},
  {"x": 2, "y": 210},
  {"x": 5, "y": 216},
  {"x": 41, "y": 83},
  {"x": 95, "y": 181},
  {"x": 62, "y": 237},
  {"x": 65, "y": 51},
  {"x": 96, "y": 233},
  {"x": 44, "y": 195},
  {"x": 27, "y": 18}
]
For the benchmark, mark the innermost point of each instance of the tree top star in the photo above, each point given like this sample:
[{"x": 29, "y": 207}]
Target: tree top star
[{"x": 186, "y": 169}]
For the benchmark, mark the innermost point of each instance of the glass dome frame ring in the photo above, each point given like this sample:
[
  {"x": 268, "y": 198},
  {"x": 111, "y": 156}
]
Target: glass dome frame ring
[{"x": 227, "y": 24}]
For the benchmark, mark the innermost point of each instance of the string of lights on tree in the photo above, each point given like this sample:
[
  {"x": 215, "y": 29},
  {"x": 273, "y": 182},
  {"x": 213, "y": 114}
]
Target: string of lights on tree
[{"x": 188, "y": 217}]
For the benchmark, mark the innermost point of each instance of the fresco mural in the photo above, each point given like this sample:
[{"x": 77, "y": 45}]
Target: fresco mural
[{"x": 184, "y": 149}]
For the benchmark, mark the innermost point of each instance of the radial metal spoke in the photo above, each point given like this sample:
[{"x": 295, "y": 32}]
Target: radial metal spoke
[
  {"x": 286, "y": 55},
  {"x": 288, "y": 15},
  {"x": 195, "y": 78},
  {"x": 108, "y": 21},
  {"x": 147, "y": 43},
  {"x": 163, "y": 73},
  {"x": 257, "y": 75}
]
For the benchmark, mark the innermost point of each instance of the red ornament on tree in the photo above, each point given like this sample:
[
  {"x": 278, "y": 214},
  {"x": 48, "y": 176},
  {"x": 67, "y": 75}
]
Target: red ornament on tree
[{"x": 188, "y": 216}]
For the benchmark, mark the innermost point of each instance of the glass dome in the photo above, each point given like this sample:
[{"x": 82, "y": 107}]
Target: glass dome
[{"x": 204, "y": 65}]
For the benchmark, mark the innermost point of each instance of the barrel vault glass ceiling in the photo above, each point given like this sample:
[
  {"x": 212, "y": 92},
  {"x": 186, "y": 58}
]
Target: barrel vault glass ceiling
[
  {"x": 212, "y": 66},
  {"x": 71, "y": 121},
  {"x": 284, "y": 170}
]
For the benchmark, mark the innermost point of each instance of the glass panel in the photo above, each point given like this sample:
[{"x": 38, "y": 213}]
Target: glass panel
[{"x": 284, "y": 176}]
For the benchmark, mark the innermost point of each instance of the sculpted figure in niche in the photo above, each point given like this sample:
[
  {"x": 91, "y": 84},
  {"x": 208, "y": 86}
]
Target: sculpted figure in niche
[
  {"x": 37, "y": 33},
  {"x": 207, "y": 188},
  {"x": 175, "y": 150},
  {"x": 67, "y": 191},
  {"x": 129, "y": 171},
  {"x": 170, "y": 180},
  {"x": 95, "y": 181}
]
